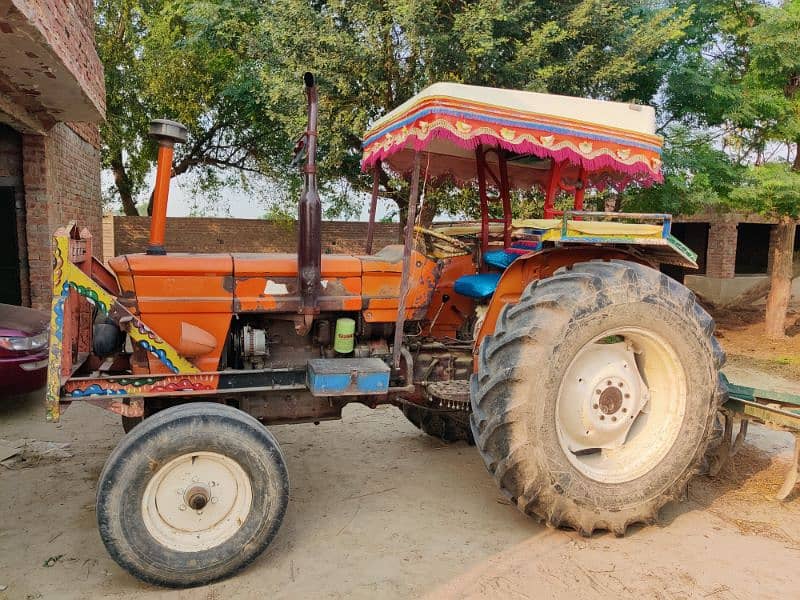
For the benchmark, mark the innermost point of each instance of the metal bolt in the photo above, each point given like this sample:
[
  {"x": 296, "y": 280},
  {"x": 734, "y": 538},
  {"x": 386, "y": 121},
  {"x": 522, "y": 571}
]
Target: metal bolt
[
  {"x": 624, "y": 409},
  {"x": 627, "y": 395},
  {"x": 598, "y": 391},
  {"x": 595, "y": 406},
  {"x": 620, "y": 384},
  {"x": 608, "y": 382},
  {"x": 602, "y": 417},
  {"x": 613, "y": 418}
]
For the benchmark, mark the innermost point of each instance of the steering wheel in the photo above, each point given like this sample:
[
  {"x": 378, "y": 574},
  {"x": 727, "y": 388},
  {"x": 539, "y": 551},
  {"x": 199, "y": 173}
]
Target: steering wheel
[{"x": 443, "y": 245}]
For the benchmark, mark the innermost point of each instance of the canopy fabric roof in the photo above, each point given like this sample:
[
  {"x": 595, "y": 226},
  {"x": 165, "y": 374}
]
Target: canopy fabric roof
[{"x": 613, "y": 141}]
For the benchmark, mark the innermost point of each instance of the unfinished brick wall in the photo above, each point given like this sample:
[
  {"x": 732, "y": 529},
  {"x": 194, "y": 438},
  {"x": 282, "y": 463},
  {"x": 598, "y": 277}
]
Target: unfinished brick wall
[
  {"x": 190, "y": 234},
  {"x": 721, "y": 253},
  {"x": 68, "y": 30},
  {"x": 61, "y": 177}
]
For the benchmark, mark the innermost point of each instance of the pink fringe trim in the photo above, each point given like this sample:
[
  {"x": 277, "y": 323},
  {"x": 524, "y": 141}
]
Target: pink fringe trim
[{"x": 639, "y": 171}]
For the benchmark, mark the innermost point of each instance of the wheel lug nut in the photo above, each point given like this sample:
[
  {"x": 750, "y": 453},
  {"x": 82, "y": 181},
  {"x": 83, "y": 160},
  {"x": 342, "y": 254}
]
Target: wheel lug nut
[
  {"x": 608, "y": 382},
  {"x": 598, "y": 391},
  {"x": 627, "y": 395},
  {"x": 182, "y": 507},
  {"x": 613, "y": 418},
  {"x": 620, "y": 384},
  {"x": 602, "y": 417},
  {"x": 624, "y": 409},
  {"x": 214, "y": 500}
]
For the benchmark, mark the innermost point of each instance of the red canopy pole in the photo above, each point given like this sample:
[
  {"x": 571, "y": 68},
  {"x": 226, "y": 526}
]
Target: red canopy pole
[
  {"x": 373, "y": 207},
  {"x": 505, "y": 195},
  {"x": 552, "y": 190},
  {"x": 481, "y": 164},
  {"x": 580, "y": 190}
]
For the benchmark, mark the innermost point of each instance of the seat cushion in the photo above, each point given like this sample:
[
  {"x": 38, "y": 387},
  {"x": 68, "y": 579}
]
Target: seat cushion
[
  {"x": 499, "y": 259},
  {"x": 479, "y": 286}
]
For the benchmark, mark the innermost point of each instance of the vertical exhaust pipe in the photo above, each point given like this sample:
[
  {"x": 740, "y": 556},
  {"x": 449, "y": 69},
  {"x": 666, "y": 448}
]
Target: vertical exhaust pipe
[
  {"x": 167, "y": 133},
  {"x": 309, "y": 216}
]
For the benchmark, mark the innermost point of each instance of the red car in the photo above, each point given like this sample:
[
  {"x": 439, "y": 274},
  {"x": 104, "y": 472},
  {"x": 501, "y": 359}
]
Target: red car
[{"x": 23, "y": 349}]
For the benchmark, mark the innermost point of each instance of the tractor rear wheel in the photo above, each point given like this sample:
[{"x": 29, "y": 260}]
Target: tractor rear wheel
[
  {"x": 191, "y": 495},
  {"x": 448, "y": 426},
  {"x": 595, "y": 396}
]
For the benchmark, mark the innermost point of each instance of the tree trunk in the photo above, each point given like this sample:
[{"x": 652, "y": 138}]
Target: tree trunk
[
  {"x": 428, "y": 213},
  {"x": 780, "y": 289},
  {"x": 124, "y": 187}
]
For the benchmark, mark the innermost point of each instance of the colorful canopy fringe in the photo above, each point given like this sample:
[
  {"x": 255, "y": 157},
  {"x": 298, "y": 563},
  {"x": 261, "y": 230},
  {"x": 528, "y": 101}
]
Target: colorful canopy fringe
[{"x": 614, "y": 142}]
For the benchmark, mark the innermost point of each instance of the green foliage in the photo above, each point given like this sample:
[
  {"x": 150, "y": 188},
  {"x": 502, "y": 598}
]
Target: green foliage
[
  {"x": 730, "y": 102},
  {"x": 697, "y": 174},
  {"x": 231, "y": 71},
  {"x": 773, "y": 188}
]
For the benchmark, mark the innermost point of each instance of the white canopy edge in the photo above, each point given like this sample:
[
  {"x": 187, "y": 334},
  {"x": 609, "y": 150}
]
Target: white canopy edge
[{"x": 620, "y": 115}]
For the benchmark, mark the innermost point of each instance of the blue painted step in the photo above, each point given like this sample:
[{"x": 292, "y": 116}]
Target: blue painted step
[{"x": 347, "y": 376}]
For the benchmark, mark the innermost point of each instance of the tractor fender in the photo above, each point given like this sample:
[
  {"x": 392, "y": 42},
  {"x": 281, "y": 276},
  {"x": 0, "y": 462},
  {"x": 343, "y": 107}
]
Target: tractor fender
[{"x": 539, "y": 265}]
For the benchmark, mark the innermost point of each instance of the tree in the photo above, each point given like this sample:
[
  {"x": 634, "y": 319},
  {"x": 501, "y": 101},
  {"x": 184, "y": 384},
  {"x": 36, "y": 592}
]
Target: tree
[
  {"x": 189, "y": 61},
  {"x": 732, "y": 93},
  {"x": 371, "y": 55}
]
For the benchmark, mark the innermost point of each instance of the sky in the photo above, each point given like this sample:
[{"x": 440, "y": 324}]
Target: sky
[{"x": 234, "y": 203}]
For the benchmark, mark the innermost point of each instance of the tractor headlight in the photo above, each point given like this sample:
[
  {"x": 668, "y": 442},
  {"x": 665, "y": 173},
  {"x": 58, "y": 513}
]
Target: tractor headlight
[{"x": 21, "y": 344}]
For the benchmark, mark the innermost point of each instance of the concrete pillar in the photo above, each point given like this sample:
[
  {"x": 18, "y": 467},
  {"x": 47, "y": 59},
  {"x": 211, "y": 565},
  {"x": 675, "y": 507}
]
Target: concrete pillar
[{"x": 721, "y": 253}]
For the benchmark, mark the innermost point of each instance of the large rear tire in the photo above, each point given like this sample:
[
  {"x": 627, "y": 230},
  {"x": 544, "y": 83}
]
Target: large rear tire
[
  {"x": 595, "y": 396},
  {"x": 191, "y": 495}
]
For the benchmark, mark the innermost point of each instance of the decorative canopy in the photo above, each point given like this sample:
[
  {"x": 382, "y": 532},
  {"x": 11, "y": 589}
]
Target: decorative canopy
[{"x": 614, "y": 142}]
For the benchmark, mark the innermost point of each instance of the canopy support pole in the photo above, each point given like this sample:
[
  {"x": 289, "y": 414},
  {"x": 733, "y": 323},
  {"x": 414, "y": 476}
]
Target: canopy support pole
[
  {"x": 552, "y": 190},
  {"x": 505, "y": 195},
  {"x": 373, "y": 206},
  {"x": 580, "y": 190},
  {"x": 481, "y": 164},
  {"x": 406, "y": 277}
]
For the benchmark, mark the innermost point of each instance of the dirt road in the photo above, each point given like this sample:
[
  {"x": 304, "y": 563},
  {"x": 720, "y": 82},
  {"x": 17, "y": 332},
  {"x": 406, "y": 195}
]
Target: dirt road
[{"x": 379, "y": 510}]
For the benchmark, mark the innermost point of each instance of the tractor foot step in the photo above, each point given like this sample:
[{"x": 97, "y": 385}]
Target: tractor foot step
[
  {"x": 452, "y": 394},
  {"x": 348, "y": 376}
]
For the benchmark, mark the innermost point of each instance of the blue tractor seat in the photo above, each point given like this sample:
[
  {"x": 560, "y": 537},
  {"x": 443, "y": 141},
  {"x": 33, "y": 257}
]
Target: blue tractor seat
[
  {"x": 479, "y": 286},
  {"x": 499, "y": 259},
  {"x": 483, "y": 285}
]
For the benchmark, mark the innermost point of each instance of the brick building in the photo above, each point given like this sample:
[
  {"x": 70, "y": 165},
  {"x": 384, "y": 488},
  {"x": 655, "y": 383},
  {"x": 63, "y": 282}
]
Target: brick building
[
  {"x": 52, "y": 97},
  {"x": 128, "y": 235},
  {"x": 733, "y": 253}
]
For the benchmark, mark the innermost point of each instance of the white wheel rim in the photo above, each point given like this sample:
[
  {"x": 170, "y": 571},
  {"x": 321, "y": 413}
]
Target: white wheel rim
[
  {"x": 621, "y": 405},
  {"x": 196, "y": 501}
]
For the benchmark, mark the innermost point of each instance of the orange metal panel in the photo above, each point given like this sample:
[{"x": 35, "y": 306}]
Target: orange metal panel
[
  {"x": 168, "y": 327},
  {"x": 536, "y": 266},
  {"x": 268, "y": 283},
  {"x": 381, "y": 287},
  {"x": 443, "y": 319}
]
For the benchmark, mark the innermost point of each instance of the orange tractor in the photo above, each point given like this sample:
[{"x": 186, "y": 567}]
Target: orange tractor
[{"x": 588, "y": 380}]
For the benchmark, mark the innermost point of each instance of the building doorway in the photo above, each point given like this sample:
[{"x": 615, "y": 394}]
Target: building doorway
[{"x": 10, "y": 291}]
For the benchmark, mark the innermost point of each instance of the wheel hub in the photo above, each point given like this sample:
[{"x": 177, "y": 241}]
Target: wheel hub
[
  {"x": 196, "y": 501},
  {"x": 610, "y": 400},
  {"x": 604, "y": 393}
]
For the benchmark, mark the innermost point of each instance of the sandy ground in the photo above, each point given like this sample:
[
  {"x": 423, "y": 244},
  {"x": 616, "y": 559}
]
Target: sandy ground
[{"x": 379, "y": 510}]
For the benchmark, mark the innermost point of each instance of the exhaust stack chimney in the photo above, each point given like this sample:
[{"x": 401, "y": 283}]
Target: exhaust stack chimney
[
  {"x": 167, "y": 133},
  {"x": 309, "y": 215}
]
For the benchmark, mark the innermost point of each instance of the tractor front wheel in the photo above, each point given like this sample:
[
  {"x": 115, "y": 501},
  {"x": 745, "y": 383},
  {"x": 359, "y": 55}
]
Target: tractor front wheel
[
  {"x": 595, "y": 396},
  {"x": 191, "y": 495}
]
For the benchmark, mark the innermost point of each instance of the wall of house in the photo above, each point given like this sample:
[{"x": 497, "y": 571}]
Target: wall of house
[
  {"x": 195, "y": 234},
  {"x": 61, "y": 175}
]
